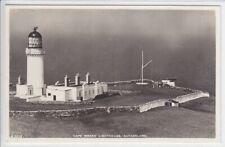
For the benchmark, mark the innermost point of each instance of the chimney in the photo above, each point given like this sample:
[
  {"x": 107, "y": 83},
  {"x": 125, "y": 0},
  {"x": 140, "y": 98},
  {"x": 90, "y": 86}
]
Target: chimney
[
  {"x": 96, "y": 87},
  {"x": 66, "y": 81},
  {"x": 88, "y": 80},
  {"x": 77, "y": 79},
  {"x": 19, "y": 80}
]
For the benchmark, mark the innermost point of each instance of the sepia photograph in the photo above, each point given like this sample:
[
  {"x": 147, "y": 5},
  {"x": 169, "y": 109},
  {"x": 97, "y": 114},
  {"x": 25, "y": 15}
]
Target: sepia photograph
[{"x": 113, "y": 72}]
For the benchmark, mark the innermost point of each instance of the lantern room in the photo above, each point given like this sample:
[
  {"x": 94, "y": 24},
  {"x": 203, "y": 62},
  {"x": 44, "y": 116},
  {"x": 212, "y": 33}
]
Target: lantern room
[{"x": 35, "y": 39}]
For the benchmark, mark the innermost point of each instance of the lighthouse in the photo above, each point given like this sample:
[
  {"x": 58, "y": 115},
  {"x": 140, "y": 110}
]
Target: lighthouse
[
  {"x": 36, "y": 90},
  {"x": 35, "y": 64}
]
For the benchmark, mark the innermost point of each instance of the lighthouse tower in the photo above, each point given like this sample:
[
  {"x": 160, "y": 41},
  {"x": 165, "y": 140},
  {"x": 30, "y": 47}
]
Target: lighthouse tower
[{"x": 35, "y": 64}]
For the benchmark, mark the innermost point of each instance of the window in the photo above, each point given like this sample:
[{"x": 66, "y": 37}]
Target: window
[
  {"x": 89, "y": 91},
  {"x": 93, "y": 91},
  {"x": 49, "y": 94},
  {"x": 85, "y": 93},
  {"x": 80, "y": 93},
  {"x": 30, "y": 92}
]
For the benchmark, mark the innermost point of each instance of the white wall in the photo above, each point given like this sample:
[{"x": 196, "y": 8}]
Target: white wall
[
  {"x": 21, "y": 90},
  {"x": 37, "y": 91},
  {"x": 152, "y": 104},
  {"x": 168, "y": 82},
  {"x": 33, "y": 99},
  {"x": 73, "y": 93},
  {"x": 88, "y": 92},
  {"x": 191, "y": 96},
  {"x": 95, "y": 89},
  {"x": 35, "y": 72},
  {"x": 104, "y": 87},
  {"x": 60, "y": 94}
]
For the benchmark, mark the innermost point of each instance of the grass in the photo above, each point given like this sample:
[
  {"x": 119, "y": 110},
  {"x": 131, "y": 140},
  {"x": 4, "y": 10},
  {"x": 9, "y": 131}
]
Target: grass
[
  {"x": 194, "y": 119},
  {"x": 162, "y": 122},
  {"x": 205, "y": 104},
  {"x": 146, "y": 94}
]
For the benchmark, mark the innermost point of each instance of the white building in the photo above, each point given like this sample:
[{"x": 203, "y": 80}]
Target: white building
[
  {"x": 76, "y": 91},
  {"x": 170, "y": 82},
  {"x": 35, "y": 89}
]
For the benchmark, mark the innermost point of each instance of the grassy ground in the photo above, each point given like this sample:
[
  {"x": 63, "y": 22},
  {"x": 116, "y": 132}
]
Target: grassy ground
[
  {"x": 205, "y": 104},
  {"x": 161, "y": 122},
  {"x": 194, "y": 119},
  {"x": 145, "y": 94}
]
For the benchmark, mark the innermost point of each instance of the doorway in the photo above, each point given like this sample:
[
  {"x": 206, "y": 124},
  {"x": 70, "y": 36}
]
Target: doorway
[
  {"x": 30, "y": 91},
  {"x": 54, "y": 97}
]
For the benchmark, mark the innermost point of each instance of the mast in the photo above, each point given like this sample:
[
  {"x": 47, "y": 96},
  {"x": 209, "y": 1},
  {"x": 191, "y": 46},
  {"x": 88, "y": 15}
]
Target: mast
[{"x": 142, "y": 68}]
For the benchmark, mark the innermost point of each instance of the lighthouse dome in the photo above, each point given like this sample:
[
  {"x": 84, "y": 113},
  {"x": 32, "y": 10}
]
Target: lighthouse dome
[
  {"x": 35, "y": 39},
  {"x": 35, "y": 33}
]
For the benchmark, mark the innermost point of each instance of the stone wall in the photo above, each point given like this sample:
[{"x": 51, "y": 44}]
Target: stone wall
[
  {"x": 129, "y": 81},
  {"x": 73, "y": 112},
  {"x": 122, "y": 92}
]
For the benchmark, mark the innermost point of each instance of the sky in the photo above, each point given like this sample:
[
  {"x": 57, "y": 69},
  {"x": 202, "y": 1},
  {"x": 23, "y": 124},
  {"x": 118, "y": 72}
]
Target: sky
[{"x": 108, "y": 44}]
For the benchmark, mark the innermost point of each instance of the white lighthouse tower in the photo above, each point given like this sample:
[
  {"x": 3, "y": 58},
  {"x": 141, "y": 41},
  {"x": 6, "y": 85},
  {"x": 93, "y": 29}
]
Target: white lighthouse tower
[
  {"x": 35, "y": 68},
  {"x": 35, "y": 64}
]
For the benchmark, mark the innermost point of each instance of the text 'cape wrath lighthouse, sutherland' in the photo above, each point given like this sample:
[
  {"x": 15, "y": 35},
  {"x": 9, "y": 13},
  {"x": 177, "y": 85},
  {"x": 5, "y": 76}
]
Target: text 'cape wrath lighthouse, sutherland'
[{"x": 36, "y": 90}]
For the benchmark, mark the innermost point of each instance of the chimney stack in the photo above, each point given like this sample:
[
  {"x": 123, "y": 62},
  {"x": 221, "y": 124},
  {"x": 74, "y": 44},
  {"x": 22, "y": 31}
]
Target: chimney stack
[
  {"x": 88, "y": 79},
  {"x": 77, "y": 79},
  {"x": 19, "y": 80},
  {"x": 66, "y": 81}
]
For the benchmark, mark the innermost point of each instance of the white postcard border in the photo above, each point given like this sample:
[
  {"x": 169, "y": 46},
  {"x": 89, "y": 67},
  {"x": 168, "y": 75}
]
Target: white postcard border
[{"x": 220, "y": 56}]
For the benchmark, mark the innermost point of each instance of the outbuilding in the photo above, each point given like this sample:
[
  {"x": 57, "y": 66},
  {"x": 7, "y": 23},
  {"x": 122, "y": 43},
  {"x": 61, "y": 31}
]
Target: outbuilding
[{"x": 169, "y": 82}]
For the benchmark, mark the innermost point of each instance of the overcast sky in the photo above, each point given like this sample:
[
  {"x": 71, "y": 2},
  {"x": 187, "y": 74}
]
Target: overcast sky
[{"x": 108, "y": 44}]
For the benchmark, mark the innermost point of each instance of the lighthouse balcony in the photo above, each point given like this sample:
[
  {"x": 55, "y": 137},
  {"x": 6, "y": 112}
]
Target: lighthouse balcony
[{"x": 35, "y": 51}]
